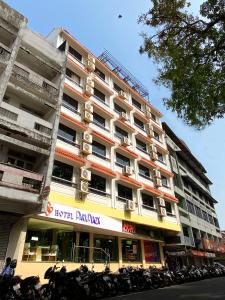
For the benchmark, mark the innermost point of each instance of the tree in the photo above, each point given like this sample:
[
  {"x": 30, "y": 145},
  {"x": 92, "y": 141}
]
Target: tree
[{"x": 190, "y": 51}]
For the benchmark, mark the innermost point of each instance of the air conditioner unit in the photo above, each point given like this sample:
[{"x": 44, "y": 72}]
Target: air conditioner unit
[
  {"x": 122, "y": 94},
  {"x": 130, "y": 205},
  {"x": 89, "y": 81},
  {"x": 149, "y": 126},
  {"x": 161, "y": 202},
  {"x": 157, "y": 173},
  {"x": 123, "y": 116},
  {"x": 88, "y": 107},
  {"x": 162, "y": 212},
  {"x": 153, "y": 148},
  {"x": 125, "y": 141},
  {"x": 88, "y": 90},
  {"x": 158, "y": 182},
  {"x": 154, "y": 156},
  {"x": 88, "y": 117},
  {"x": 85, "y": 174},
  {"x": 86, "y": 148},
  {"x": 90, "y": 65},
  {"x": 127, "y": 170},
  {"x": 148, "y": 114},
  {"x": 91, "y": 58},
  {"x": 84, "y": 187},
  {"x": 87, "y": 137}
]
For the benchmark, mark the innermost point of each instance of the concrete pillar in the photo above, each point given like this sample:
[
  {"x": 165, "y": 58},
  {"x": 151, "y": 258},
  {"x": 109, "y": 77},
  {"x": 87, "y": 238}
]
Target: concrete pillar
[
  {"x": 91, "y": 245},
  {"x": 162, "y": 257},
  {"x": 143, "y": 253},
  {"x": 120, "y": 252},
  {"x": 76, "y": 246},
  {"x": 17, "y": 239}
]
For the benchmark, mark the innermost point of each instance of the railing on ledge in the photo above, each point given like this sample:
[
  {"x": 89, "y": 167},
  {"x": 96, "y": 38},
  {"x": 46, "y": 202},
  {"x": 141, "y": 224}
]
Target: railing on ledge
[
  {"x": 8, "y": 114},
  {"x": 35, "y": 81},
  {"x": 4, "y": 54},
  {"x": 21, "y": 179}
]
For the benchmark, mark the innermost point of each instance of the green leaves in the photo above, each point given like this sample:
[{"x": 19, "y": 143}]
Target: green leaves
[{"x": 191, "y": 53}]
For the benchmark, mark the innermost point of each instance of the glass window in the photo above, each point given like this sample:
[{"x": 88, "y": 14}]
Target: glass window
[
  {"x": 144, "y": 171},
  {"x": 160, "y": 157},
  {"x": 185, "y": 231},
  {"x": 119, "y": 109},
  {"x": 117, "y": 88},
  {"x": 97, "y": 183},
  {"x": 73, "y": 76},
  {"x": 190, "y": 207},
  {"x": 164, "y": 181},
  {"x": 120, "y": 133},
  {"x": 62, "y": 171},
  {"x": 106, "y": 247},
  {"x": 157, "y": 136},
  {"x": 75, "y": 53},
  {"x": 99, "y": 73},
  {"x": 66, "y": 134},
  {"x": 152, "y": 253},
  {"x": 168, "y": 207},
  {"x": 70, "y": 103},
  {"x": 124, "y": 192},
  {"x": 98, "y": 149},
  {"x": 198, "y": 211},
  {"x": 141, "y": 145},
  {"x": 131, "y": 250},
  {"x": 99, "y": 95},
  {"x": 147, "y": 200},
  {"x": 139, "y": 123},
  {"x": 82, "y": 253},
  {"x": 98, "y": 120},
  {"x": 136, "y": 104},
  {"x": 121, "y": 160}
]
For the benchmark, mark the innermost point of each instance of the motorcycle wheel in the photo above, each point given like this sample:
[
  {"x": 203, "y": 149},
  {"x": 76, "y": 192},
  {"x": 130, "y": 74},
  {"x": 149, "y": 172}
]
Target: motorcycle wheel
[
  {"x": 99, "y": 290},
  {"x": 114, "y": 290},
  {"x": 46, "y": 292},
  {"x": 140, "y": 284},
  {"x": 9, "y": 296},
  {"x": 156, "y": 284}
]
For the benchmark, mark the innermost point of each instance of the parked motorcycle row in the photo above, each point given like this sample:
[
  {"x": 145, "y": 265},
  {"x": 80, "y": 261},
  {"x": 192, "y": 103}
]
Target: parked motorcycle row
[{"x": 85, "y": 284}]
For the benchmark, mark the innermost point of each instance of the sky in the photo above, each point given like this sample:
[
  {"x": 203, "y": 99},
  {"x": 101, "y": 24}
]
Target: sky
[{"x": 95, "y": 24}]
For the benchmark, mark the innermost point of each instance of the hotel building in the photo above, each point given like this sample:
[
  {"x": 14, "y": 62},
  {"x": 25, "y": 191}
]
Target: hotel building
[{"x": 112, "y": 196}]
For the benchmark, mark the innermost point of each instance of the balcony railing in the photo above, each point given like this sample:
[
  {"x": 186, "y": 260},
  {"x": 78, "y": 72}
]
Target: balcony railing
[
  {"x": 8, "y": 114},
  {"x": 35, "y": 81},
  {"x": 21, "y": 179}
]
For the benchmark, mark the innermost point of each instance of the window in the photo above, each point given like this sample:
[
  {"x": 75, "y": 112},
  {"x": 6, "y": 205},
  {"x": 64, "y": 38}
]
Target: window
[
  {"x": 97, "y": 183},
  {"x": 144, "y": 172},
  {"x": 107, "y": 243},
  {"x": 70, "y": 103},
  {"x": 73, "y": 76},
  {"x": 168, "y": 208},
  {"x": 136, "y": 104},
  {"x": 139, "y": 123},
  {"x": 185, "y": 231},
  {"x": 124, "y": 192},
  {"x": 141, "y": 145},
  {"x": 117, "y": 88},
  {"x": 147, "y": 200},
  {"x": 122, "y": 161},
  {"x": 198, "y": 211},
  {"x": 210, "y": 218},
  {"x": 99, "y": 149},
  {"x": 120, "y": 133},
  {"x": 66, "y": 134},
  {"x": 62, "y": 171},
  {"x": 190, "y": 207},
  {"x": 20, "y": 160},
  {"x": 99, "y": 95},
  {"x": 100, "y": 74},
  {"x": 131, "y": 250},
  {"x": 98, "y": 120},
  {"x": 164, "y": 181},
  {"x": 153, "y": 117},
  {"x": 156, "y": 136},
  {"x": 160, "y": 157},
  {"x": 119, "y": 109},
  {"x": 205, "y": 216},
  {"x": 152, "y": 252},
  {"x": 75, "y": 53}
]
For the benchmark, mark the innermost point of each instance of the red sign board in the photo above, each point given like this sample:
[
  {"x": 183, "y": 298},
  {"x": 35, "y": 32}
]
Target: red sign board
[{"x": 130, "y": 228}]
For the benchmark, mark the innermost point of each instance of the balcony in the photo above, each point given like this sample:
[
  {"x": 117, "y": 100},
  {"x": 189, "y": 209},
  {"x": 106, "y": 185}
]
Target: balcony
[
  {"x": 20, "y": 121},
  {"x": 16, "y": 178},
  {"x": 34, "y": 83}
]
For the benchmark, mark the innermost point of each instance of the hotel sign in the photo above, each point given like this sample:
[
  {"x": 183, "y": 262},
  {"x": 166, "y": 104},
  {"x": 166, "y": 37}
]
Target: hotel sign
[{"x": 79, "y": 216}]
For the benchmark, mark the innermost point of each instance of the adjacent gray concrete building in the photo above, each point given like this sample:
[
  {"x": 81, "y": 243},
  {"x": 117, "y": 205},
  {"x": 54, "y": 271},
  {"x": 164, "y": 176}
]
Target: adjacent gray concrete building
[
  {"x": 31, "y": 83},
  {"x": 200, "y": 238}
]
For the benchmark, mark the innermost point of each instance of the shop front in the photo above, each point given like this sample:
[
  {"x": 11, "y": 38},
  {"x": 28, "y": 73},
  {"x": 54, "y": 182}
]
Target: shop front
[{"x": 74, "y": 236}]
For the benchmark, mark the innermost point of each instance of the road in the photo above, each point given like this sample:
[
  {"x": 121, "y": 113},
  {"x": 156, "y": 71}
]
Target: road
[{"x": 201, "y": 290}]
